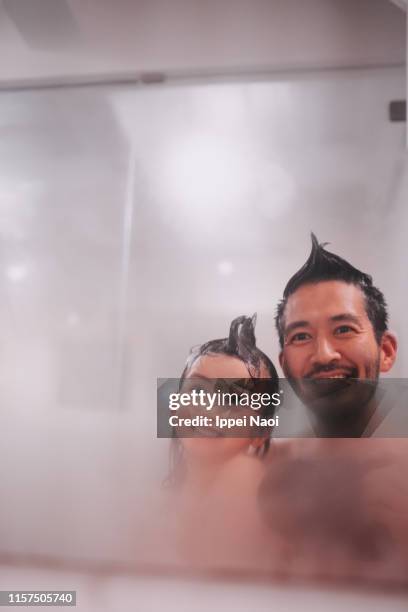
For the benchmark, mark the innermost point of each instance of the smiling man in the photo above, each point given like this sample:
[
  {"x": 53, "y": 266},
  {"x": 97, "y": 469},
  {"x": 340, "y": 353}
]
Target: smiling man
[{"x": 333, "y": 331}]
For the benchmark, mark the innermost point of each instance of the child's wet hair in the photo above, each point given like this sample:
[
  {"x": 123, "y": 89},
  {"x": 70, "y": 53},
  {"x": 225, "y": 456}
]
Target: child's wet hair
[{"x": 241, "y": 343}]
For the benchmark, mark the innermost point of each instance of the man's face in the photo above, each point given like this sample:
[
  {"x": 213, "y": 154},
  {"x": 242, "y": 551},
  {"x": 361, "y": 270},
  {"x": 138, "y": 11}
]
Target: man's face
[{"x": 329, "y": 342}]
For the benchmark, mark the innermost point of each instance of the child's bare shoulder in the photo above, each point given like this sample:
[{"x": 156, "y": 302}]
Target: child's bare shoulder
[{"x": 244, "y": 468}]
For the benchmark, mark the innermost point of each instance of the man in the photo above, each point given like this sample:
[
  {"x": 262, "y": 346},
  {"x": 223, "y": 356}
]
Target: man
[
  {"x": 333, "y": 331},
  {"x": 337, "y": 508}
]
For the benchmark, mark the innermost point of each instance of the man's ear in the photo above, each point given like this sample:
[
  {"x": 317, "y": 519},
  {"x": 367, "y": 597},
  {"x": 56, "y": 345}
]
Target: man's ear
[
  {"x": 388, "y": 351},
  {"x": 282, "y": 360}
]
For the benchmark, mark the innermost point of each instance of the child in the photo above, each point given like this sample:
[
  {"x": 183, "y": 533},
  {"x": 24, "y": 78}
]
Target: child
[{"x": 216, "y": 475}]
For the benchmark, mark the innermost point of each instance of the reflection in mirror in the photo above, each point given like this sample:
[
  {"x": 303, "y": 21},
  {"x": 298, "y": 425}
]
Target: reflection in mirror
[{"x": 136, "y": 222}]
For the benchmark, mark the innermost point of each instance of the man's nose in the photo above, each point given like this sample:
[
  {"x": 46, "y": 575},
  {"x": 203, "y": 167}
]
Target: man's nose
[{"x": 325, "y": 351}]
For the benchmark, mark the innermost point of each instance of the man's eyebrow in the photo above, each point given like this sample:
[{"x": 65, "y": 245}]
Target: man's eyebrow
[
  {"x": 346, "y": 316},
  {"x": 295, "y": 325}
]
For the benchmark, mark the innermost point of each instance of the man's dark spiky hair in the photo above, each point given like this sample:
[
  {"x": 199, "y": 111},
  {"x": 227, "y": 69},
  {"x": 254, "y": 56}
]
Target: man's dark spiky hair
[{"x": 322, "y": 265}]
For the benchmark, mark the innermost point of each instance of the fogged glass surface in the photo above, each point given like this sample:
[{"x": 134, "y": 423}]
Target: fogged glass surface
[
  {"x": 138, "y": 222},
  {"x": 229, "y": 181},
  {"x": 63, "y": 171},
  {"x": 224, "y": 182}
]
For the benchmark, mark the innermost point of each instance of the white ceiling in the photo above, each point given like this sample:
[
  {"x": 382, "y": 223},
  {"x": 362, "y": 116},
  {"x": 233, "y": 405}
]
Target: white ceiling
[{"x": 43, "y": 40}]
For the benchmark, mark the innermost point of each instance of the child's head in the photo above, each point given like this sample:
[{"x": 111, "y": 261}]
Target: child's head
[
  {"x": 241, "y": 344},
  {"x": 236, "y": 357}
]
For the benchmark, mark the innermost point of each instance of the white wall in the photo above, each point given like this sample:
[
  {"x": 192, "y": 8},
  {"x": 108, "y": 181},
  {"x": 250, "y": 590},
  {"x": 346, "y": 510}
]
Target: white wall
[{"x": 111, "y": 37}]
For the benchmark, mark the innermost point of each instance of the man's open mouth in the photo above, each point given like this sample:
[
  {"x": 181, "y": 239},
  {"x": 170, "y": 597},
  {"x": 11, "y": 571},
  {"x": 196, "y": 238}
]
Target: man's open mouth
[
  {"x": 328, "y": 383},
  {"x": 334, "y": 374}
]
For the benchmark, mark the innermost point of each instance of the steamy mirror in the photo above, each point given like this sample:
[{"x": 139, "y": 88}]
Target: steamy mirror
[{"x": 140, "y": 221}]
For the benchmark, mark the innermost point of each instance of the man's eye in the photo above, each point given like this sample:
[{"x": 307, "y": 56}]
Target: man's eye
[
  {"x": 343, "y": 329},
  {"x": 299, "y": 337}
]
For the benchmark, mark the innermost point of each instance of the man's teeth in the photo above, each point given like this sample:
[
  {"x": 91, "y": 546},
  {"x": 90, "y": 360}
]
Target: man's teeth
[{"x": 332, "y": 377}]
